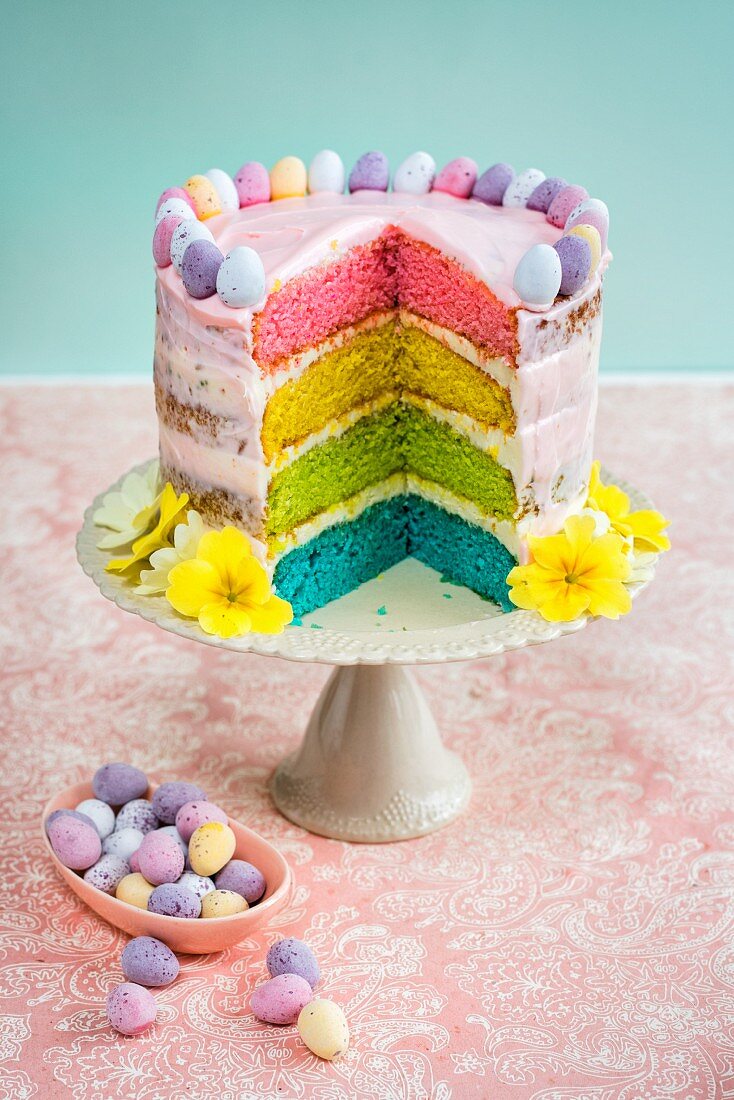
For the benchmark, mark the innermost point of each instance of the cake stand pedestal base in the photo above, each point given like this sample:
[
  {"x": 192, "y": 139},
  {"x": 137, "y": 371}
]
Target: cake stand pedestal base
[{"x": 372, "y": 766}]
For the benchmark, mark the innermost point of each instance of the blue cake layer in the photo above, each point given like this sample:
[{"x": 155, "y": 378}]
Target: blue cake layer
[{"x": 344, "y": 556}]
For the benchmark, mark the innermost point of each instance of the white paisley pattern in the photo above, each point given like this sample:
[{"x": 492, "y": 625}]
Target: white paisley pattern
[{"x": 572, "y": 936}]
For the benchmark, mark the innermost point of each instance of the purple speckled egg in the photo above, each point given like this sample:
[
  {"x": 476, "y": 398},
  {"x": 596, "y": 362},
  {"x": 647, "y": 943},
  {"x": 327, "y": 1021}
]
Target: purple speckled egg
[
  {"x": 370, "y": 173},
  {"x": 193, "y": 814},
  {"x": 243, "y": 878},
  {"x": 131, "y": 1009},
  {"x": 170, "y": 797},
  {"x": 174, "y": 193},
  {"x": 457, "y": 178},
  {"x": 492, "y": 184},
  {"x": 162, "y": 239},
  {"x": 117, "y": 784},
  {"x": 291, "y": 956},
  {"x": 545, "y": 192},
  {"x": 148, "y": 961},
  {"x": 107, "y": 873},
  {"x": 280, "y": 1000},
  {"x": 138, "y": 814},
  {"x": 78, "y": 814},
  {"x": 160, "y": 859},
  {"x": 171, "y": 900},
  {"x": 76, "y": 843},
  {"x": 575, "y": 255},
  {"x": 564, "y": 202},
  {"x": 252, "y": 183},
  {"x": 199, "y": 268}
]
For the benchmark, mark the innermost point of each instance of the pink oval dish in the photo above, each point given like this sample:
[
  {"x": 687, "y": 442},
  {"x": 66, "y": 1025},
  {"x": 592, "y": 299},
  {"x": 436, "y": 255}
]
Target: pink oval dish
[{"x": 190, "y": 937}]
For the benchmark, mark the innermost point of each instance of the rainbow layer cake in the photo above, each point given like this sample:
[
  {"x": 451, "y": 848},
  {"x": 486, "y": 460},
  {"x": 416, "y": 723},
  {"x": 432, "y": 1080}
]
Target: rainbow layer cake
[{"x": 354, "y": 377}]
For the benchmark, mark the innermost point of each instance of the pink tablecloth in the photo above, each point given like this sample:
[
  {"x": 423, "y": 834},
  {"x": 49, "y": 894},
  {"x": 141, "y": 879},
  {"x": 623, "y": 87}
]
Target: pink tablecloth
[{"x": 571, "y": 936}]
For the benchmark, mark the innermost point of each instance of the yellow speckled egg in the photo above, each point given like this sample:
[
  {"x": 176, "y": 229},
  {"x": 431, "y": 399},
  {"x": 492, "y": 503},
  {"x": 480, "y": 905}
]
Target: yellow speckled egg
[
  {"x": 591, "y": 235},
  {"x": 211, "y": 846},
  {"x": 204, "y": 196},
  {"x": 323, "y": 1027},
  {"x": 135, "y": 890},
  {"x": 222, "y": 903},
  {"x": 288, "y": 178}
]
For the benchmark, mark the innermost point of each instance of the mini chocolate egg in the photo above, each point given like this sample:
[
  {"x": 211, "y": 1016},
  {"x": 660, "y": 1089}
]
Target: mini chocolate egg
[
  {"x": 107, "y": 873},
  {"x": 162, "y": 239},
  {"x": 101, "y": 814},
  {"x": 225, "y": 188},
  {"x": 160, "y": 859},
  {"x": 591, "y": 235},
  {"x": 492, "y": 184},
  {"x": 288, "y": 178},
  {"x": 575, "y": 255},
  {"x": 370, "y": 173},
  {"x": 200, "y": 267},
  {"x": 135, "y": 890},
  {"x": 222, "y": 903},
  {"x": 171, "y": 830},
  {"x": 292, "y": 956},
  {"x": 457, "y": 177},
  {"x": 174, "y": 208},
  {"x": 591, "y": 212},
  {"x": 243, "y": 878},
  {"x": 210, "y": 847},
  {"x": 241, "y": 278},
  {"x": 134, "y": 862},
  {"x": 252, "y": 183},
  {"x": 415, "y": 175},
  {"x": 148, "y": 961},
  {"x": 75, "y": 842},
  {"x": 72, "y": 813},
  {"x": 564, "y": 202},
  {"x": 323, "y": 1028},
  {"x": 171, "y": 796},
  {"x": 280, "y": 1000},
  {"x": 326, "y": 173},
  {"x": 545, "y": 192},
  {"x": 174, "y": 193},
  {"x": 182, "y": 237},
  {"x": 522, "y": 187},
  {"x": 197, "y": 884},
  {"x": 538, "y": 277},
  {"x": 123, "y": 842},
  {"x": 117, "y": 784},
  {"x": 204, "y": 196},
  {"x": 172, "y": 900},
  {"x": 193, "y": 814},
  {"x": 131, "y": 1009},
  {"x": 138, "y": 814}
]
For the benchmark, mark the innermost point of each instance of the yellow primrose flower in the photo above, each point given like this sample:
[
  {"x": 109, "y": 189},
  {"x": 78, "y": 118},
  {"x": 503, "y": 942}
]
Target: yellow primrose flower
[
  {"x": 573, "y": 572},
  {"x": 227, "y": 589},
  {"x": 169, "y": 514},
  {"x": 645, "y": 527},
  {"x": 186, "y": 537}
]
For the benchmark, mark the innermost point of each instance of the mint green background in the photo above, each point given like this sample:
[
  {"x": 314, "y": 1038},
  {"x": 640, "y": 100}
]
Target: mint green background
[{"x": 108, "y": 103}]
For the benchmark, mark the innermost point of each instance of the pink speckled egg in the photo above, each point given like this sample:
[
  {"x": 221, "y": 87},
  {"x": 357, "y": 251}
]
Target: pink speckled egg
[
  {"x": 194, "y": 814},
  {"x": 591, "y": 212},
  {"x": 134, "y": 863},
  {"x": 76, "y": 844},
  {"x": 131, "y": 1009},
  {"x": 457, "y": 177},
  {"x": 252, "y": 183},
  {"x": 280, "y": 1000},
  {"x": 160, "y": 859},
  {"x": 564, "y": 202},
  {"x": 162, "y": 239},
  {"x": 174, "y": 193}
]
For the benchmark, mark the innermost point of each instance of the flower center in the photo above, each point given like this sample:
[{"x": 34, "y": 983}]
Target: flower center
[
  {"x": 571, "y": 578},
  {"x": 232, "y": 597}
]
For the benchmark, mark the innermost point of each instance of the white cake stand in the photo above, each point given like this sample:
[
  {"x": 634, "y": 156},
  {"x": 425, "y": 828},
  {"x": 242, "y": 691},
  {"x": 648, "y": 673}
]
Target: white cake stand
[{"x": 372, "y": 766}]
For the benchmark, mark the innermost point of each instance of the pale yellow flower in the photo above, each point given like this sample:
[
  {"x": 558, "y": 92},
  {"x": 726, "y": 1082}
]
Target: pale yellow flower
[
  {"x": 186, "y": 537},
  {"x": 171, "y": 509},
  {"x": 129, "y": 510},
  {"x": 645, "y": 526}
]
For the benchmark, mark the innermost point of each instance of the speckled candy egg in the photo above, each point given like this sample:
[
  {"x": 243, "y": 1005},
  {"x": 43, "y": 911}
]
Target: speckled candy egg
[
  {"x": 197, "y": 884},
  {"x": 170, "y": 797},
  {"x": 72, "y": 813},
  {"x": 252, "y": 183},
  {"x": 204, "y": 196},
  {"x": 545, "y": 192},
  {"x": 123, "y": 842},
  {"x": 182, "y": 237},
  {"x": 591, "y": 235},
  {"x": 148, "y": 961},
  {"x": 101, "y": 815},
  {"x": 107, "y": 873},
  {"x": 200, "y": 267},
  {"x": 538, "y": 277},
  {"x": 241, "y": 278},
  {"x": 194, "y": 814},
  {"x": 522, "y": 187},
  {"x": 326, "y": 173},
  {"x": 225, "y": 188},
  {"x": 222, "y": 903},
  {"x": 131, "y": 1009},
  {"x": 291, "y": 956},
  {"x": 243, "y": 878},
  {"x": 160, "y": 859},
  {"x": 564, "y": 202},
  {"x": 164, "y": 231},
  {"x": 288, "y": 178},
  {"x": 135, "y": 890},
  {"x": 210, "y": 847},
  {"x": 134, "y": 862},
  {"x": 492, "y": 184},
  {"x": 171, "y": 900},
  {"x": 76, "y": 843},
  {"x": 575, "y": 257},
  {"x": 138, "y": 814},
  {"x": 323, "y": 1028},
  {"x": 370, "y": 173},
  {"x": 171, "y": 830},
  {"x": 117, "y": 784},
  {"x": 591, "y": 212},
  {"x": 457, "y": 178},
  {"x": 175, "y": 208},
  {"x": 174, "y": 193},
  {"x": 280, "y": 1000},
  {"x": 415, "y": 175}
]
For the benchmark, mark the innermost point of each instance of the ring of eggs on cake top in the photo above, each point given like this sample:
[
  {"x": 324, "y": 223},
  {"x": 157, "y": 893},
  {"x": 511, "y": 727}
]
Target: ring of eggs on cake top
[{"x": 545, "y": 271}]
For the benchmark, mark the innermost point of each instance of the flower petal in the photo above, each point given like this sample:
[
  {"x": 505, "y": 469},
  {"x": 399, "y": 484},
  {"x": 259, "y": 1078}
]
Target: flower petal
[
  {"x": 270, "y": 617},
  {"x": 250, "y": 582},
  {"x": 609, "y": 598},
  {"x": 227, "y": 620},
  {"x": 193, "y": 584},
  {"x": 224, "y": 550},
  {"x": 646, "y": 528}
]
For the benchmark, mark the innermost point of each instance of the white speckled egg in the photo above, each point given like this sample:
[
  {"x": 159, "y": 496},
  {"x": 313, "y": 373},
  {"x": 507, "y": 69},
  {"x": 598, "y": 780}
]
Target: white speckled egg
[
  {"x": 415, "y": 175},
  {"x": 228, "y": 197},
  {"x": 522, "y": 187},
  {"x": 101, "y": 814},
  {"x": 326, "y": 173},
  {"x": 241, "y": 278},
  {"x": 538, "y": 277},
  {"x": 323, "y": 1028},
  {"x": 174, "y": 206},
  {"x": 183, "y": 235}
]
